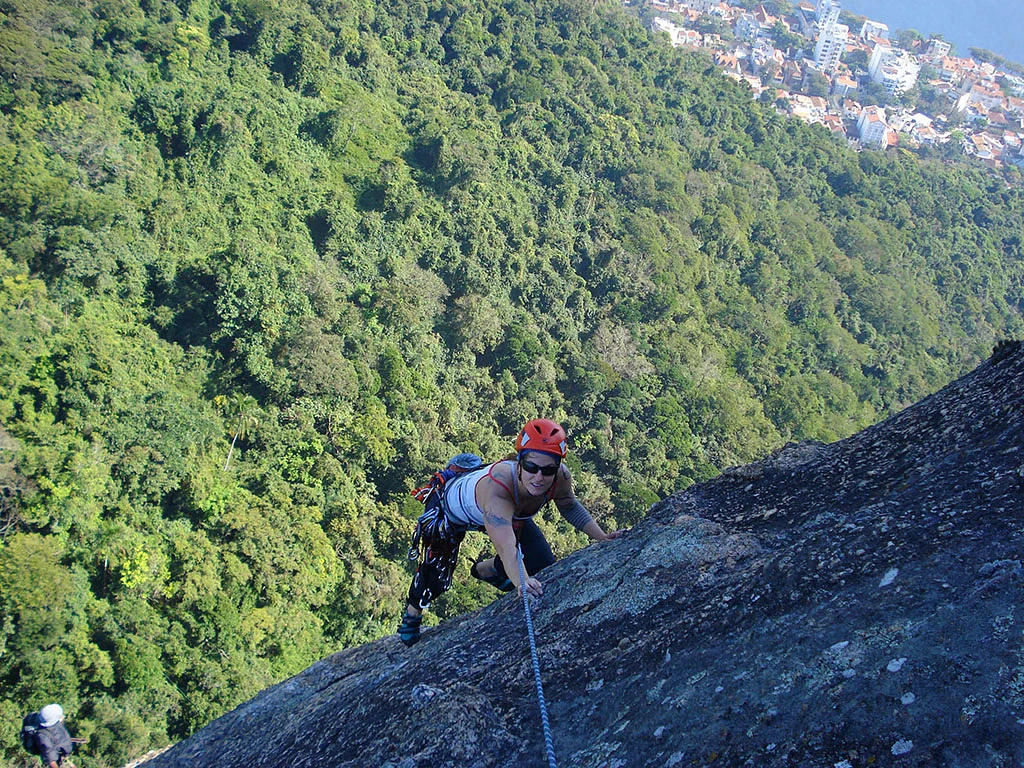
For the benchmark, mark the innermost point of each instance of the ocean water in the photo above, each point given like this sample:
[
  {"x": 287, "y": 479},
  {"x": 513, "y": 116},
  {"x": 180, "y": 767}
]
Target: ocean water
[{"x": 997, "y": 25}]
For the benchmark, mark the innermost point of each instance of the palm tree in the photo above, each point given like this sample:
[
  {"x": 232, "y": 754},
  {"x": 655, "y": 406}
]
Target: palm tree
[{"x": 238, "y": 409}]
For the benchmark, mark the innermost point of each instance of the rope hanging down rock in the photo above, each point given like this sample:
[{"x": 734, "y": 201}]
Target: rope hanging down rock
[{"x": 548, "y": 744}]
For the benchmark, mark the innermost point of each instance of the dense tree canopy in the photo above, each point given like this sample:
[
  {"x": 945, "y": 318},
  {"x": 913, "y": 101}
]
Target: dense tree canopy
[{"x": 267, "y": 263}]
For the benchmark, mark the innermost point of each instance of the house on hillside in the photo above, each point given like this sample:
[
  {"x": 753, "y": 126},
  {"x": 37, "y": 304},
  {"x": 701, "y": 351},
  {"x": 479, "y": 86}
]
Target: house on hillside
[
  {"x": 747, "y": 27},
  {"x": 872, "y": 129},
  {"x": 988, "y": 93},
  {"x": 712, "y": 41},
  {"x": 678, "y": 36},
  {"x": 949, "y": 70},
  {"x": 835, "y": 124},
  {"x": 725, "y": 12},
  {"x": 945, "y": 89},
  {"x": 970, "y": 111},
  {"x": 792, "y": 74},
  {"x": 843, "y": 85},
  {"x": 1014, "y": 84},
  {"x": 998, "y": 121},
  {"x": 691, "y": 16},
  {"x": 728, "y": 61},
  {"x": 919, "y": 127},
  {"x": 810, "y": 109},
  {"x": 1014, "y": 149},
  {"x": 765, "y": 55},
  {"x": 691, "y": 38},
  {"x": 851, "y": 110},
  {"x": 927, "y": 135},
  {"x": 983, "y": 147}
]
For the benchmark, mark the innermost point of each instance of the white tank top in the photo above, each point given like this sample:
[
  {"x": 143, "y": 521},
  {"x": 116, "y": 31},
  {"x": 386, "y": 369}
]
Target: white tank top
[{"x": 459, "y": 500}]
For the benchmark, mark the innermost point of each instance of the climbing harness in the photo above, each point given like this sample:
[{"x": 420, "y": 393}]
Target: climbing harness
[
  {"x": 548, "y": 744},
  {"x": 435, "y": 539},
  {"x": 432, "y": 526}
]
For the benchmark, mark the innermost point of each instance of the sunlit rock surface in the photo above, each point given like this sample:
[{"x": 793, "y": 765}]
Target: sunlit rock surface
[{"x": 844, "y": 605}]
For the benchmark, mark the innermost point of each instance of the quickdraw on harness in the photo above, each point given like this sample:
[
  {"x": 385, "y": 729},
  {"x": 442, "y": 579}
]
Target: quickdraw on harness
[
  {"x": 434, "y": 539},
  {"x": 432, "y": 526}
]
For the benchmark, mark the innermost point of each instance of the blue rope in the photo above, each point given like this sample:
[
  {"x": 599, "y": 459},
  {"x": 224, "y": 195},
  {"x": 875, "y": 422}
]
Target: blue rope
[{"x": 549, "y": 745}]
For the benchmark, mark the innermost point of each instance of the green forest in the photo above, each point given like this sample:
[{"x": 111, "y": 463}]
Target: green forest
[{"x": 266, "y": 264}]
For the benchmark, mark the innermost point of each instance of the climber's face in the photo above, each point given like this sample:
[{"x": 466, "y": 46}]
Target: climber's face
[{"x": 537, "y": 472}]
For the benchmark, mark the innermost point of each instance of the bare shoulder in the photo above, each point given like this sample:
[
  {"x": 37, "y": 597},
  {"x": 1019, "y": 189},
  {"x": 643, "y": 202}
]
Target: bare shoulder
[
  {"x": 499, "y": 478},
  {"x": 497, "y": 485}
]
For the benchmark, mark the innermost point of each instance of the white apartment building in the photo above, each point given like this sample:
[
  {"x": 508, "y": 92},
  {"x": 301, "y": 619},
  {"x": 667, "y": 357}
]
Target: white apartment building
[
  {"x": 831, "y": 46},
  {"x": 747, "y": 27},
  {"x": 678, "y": 36},
  {"x": 894, "y": 69},
  {"x": 1013, "y": 83},
  {"x": 872, "y": 128},
  {"x": 832, "y": 37},
  {"x": 938, "y": 48},
  {"x": 826, "y": 8},
  {"x": 874, "y": 29}
]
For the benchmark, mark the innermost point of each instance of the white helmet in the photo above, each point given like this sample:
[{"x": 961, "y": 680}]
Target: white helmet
[{"x": 50, "y": 715}]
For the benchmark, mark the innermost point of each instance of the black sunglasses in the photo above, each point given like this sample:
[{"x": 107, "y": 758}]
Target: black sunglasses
[{"x": 547, "y": 469}]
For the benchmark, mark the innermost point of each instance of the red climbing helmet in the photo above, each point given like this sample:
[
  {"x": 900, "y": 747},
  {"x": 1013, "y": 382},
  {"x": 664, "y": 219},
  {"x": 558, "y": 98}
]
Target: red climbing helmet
[{"x": 542, "y": 435}]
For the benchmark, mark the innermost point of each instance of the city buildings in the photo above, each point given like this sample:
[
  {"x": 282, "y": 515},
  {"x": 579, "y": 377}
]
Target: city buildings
[{"x": 982, "y": 107}]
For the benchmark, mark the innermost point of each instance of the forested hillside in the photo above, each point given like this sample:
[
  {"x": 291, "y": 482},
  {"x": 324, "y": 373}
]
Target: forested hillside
[{"x": 267, "y": 263}]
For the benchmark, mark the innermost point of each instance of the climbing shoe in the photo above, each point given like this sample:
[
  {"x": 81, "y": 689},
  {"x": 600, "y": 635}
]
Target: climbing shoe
[
  {"x": 409, "y": 629},
  {"x": 503, "y": 585}
]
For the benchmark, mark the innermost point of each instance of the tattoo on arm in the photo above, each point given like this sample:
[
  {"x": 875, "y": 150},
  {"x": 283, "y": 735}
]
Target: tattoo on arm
[{"x": 492, "y": 519}]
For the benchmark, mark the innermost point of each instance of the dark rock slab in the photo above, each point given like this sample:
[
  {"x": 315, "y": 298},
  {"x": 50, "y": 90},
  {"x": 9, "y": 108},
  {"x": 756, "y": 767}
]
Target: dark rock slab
[{"x": 835, "y": 606}]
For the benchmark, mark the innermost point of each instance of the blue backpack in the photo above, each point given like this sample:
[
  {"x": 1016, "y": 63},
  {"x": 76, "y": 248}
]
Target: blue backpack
[{"x": 30, "y": 726}]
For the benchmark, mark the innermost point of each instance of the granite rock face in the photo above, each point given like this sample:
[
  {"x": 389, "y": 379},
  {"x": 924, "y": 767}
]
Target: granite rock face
[{"x": 843, "y": 605}]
